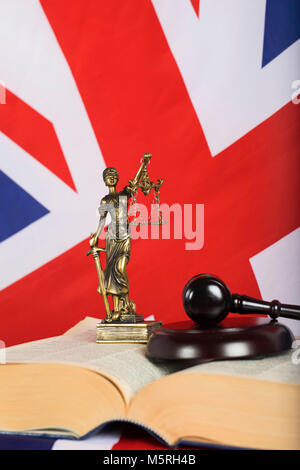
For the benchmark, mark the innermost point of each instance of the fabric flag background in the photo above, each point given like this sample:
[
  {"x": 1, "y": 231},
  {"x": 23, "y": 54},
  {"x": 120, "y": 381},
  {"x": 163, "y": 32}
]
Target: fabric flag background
[{"x": 207, "y": 87}]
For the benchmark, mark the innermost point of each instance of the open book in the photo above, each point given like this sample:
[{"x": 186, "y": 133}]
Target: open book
[{"x": 70, "y": 386}]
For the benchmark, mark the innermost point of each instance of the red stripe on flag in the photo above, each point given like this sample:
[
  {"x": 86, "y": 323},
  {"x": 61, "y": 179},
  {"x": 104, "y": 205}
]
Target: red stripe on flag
[
  {"x": 35, "y": 134},
  {"x": 134, "y": 437}
]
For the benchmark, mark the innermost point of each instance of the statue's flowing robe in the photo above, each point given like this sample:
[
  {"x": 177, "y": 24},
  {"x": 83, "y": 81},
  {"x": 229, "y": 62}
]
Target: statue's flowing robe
[
  {"x": 117, "y": 244},
  {"x": 116, "y": 280}
]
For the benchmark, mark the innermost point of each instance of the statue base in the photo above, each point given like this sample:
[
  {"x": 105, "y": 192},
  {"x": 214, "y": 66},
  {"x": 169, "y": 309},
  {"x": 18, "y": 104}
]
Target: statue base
[
  {"x": 130, "y": 318},
  {"x": 119, "y": 332}
]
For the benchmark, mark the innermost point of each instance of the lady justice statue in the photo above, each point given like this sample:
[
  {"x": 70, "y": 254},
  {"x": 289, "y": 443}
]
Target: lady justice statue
[{"x": 113, "y": 280}]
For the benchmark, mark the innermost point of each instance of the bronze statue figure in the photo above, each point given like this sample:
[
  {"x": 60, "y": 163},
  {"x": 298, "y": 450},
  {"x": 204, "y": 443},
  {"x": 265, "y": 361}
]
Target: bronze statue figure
[{"x": 113, "y": 280}]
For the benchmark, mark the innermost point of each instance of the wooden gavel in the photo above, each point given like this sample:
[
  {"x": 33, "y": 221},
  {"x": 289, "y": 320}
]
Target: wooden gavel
[{"x": 207, "y": 301}]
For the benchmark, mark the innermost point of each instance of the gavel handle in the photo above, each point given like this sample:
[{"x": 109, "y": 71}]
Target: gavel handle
[{"x": 249, "y": 305}]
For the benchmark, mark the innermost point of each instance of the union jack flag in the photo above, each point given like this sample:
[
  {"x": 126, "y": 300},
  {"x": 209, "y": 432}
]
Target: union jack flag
[{"x": 209, "y": 87}]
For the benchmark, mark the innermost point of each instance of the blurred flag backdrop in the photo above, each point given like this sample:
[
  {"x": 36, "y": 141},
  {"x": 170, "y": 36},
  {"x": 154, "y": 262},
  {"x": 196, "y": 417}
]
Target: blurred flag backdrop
[{"x": 206, "y": 87}]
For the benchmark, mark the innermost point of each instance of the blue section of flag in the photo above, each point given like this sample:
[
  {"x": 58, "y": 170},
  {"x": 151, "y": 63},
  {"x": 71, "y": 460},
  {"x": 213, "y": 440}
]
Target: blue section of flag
[
  {"x": 11, "y": 442},
  {"x": 282, "y": 27},
  {"x": 17, "y": 208}
]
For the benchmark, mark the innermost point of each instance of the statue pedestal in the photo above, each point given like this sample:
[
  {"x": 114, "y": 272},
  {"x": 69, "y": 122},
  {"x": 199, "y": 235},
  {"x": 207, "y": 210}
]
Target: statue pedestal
[
  {"x": 117, "y": 332},
  {"x": 130, "y": 318}
]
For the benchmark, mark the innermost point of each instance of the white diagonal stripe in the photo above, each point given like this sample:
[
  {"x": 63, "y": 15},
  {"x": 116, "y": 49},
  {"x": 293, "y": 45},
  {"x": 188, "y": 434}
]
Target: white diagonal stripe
[
  {"x": 102, "y": 441},
  {"x": 220, "y": 56},
  {"x": 277, "y": 271}
]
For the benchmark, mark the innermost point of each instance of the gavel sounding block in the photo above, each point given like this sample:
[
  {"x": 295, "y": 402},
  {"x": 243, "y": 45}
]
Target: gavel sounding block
[{"x": 233, "y": 338}]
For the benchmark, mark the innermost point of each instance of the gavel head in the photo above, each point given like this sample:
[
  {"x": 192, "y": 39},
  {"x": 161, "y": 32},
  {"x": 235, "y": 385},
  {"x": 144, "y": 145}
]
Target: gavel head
[{"x": 206, "y": 299}]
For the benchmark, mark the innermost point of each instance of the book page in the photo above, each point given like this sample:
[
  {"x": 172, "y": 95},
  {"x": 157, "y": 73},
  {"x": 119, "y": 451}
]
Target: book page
[
  {"x": 56, "y": 399},
  {"x": 245, "y": 403},
  {"x": 283, "y": 368},
  {"x": 231, "y": 410},
  {"x": 125, "y": 364}
]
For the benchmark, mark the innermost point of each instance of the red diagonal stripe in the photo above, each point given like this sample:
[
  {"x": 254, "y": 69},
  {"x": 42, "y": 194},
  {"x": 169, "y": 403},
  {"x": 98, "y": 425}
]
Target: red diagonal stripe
[{"x": 35, "y": 134}]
